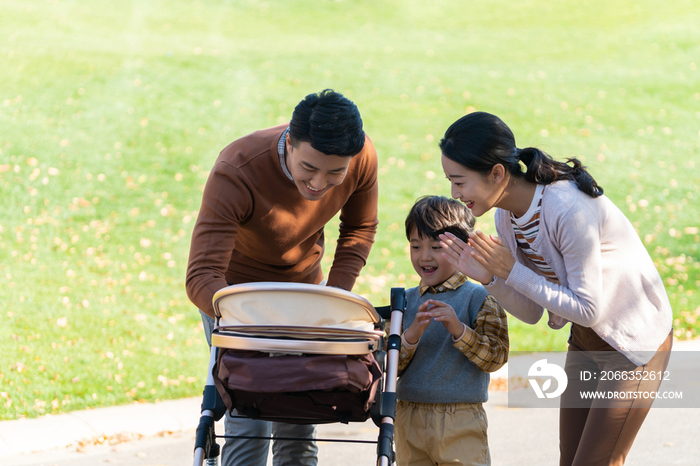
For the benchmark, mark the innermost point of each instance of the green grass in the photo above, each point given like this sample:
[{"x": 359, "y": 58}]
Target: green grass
[{"x": 112, "y": 113}]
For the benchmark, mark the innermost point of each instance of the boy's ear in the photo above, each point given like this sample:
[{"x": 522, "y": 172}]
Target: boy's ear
[{"x": 497, "y": 174}]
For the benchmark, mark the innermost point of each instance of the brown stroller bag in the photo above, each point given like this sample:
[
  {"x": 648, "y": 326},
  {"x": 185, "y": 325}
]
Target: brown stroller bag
[
  {"x": 302, "y": 389},
  {"x": 301, "y": 354}
]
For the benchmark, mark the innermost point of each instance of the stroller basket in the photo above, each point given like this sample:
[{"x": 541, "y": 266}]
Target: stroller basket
[{"x": 301, "y": 354}]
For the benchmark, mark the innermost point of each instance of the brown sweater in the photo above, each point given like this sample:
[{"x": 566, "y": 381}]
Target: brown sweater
[{"x": 254, "y": 225}]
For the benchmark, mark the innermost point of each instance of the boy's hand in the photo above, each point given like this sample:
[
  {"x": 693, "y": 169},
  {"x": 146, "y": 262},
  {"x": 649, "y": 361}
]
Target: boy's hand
[
  {"x": 444, "y": 314},
  {"x": 413, "y": 333}
]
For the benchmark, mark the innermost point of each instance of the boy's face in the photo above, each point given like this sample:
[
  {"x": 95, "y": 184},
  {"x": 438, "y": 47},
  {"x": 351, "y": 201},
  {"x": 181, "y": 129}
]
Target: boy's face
[{"x": 427, "y": 260}]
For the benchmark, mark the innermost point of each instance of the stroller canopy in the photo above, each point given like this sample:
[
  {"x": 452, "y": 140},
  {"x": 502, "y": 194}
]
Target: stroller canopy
[{"x": 292, "y": 306}]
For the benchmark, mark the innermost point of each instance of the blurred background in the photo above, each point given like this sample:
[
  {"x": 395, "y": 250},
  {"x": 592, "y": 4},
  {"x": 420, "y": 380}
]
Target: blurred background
[{"x": 112, "y": 114}]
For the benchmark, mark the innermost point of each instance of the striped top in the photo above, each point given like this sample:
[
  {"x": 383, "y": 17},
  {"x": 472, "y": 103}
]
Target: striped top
[{"x": 526, "y": 229}]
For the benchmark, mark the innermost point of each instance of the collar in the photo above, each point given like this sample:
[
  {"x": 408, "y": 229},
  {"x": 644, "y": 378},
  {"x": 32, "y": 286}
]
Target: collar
[
  {"x": 535, "y": 206},
  {"x": 456, "y": 280},
  {"x": 280, "y": 154}
]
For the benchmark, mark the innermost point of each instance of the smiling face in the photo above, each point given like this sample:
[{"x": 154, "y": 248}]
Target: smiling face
[
  {"x": 314, "y": 172},
  {"x": 478, "y": 192},
  {"x": 427, "y": 259}
]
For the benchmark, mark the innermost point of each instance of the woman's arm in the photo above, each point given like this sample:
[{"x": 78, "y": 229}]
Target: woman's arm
[
  {"x": 464, "y": 258},
  {"x": 576, "y": 235}
]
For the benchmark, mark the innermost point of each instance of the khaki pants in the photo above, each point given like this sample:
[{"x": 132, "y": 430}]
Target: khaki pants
[{"x": 430, "y": 434}]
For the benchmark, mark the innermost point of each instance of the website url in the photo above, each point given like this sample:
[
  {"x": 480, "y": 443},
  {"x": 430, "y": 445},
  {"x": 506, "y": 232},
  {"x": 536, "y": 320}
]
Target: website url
[{"x": 616, "y": 395}]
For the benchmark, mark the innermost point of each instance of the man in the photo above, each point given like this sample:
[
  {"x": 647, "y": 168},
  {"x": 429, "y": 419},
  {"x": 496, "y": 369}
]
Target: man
[{"x": 263, "y": 213}]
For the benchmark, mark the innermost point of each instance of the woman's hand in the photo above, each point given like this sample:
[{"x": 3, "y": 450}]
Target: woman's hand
[
  {"x": 491, "y": 254},
  {"x": 460, "y": 255}
]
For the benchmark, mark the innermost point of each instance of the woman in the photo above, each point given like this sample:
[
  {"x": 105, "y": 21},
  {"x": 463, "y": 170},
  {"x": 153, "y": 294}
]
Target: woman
[{"x": 565, "y": 247}]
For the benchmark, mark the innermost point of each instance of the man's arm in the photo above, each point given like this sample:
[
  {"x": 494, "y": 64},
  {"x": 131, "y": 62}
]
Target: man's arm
[
  {"x": 358, "y": 224},
  {"x": 226, "y": 203}
]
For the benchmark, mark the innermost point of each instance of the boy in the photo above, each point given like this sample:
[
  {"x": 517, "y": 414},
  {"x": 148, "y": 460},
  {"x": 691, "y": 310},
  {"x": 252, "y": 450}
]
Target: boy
[{"x": 444, "y": 368}]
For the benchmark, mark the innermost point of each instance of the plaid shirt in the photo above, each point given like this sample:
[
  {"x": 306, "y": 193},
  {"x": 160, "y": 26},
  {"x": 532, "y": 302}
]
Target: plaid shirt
[
  {"x": 486, "y": 345},
  {"x": 456, "y": 280}
]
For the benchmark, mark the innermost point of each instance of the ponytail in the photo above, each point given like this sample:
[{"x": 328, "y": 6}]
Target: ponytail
[
  {"x": 543, "y": 169},
  {"x": 478, "y": 141}
]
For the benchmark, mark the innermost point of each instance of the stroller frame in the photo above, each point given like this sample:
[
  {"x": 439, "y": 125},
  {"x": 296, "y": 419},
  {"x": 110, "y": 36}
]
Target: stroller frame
[{"x": 382, "y": 412}]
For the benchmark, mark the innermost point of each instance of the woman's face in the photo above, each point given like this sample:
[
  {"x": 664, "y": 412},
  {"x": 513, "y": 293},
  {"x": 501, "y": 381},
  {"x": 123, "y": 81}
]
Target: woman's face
[{"x": 478, "y": 192}]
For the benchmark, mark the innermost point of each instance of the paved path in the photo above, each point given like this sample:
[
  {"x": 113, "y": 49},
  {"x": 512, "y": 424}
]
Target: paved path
[{"x": 162, "y": 434}]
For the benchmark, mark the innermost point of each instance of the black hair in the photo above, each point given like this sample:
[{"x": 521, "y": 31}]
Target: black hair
[
  {"x": 479, "y": 140},
  {"x": 432, "y": 216},
  {"x": 328, "y": 121}
]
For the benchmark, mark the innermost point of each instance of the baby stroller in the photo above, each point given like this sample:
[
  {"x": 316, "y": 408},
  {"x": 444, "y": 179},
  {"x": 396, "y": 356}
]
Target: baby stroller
[{"x": 301, "y": 354}]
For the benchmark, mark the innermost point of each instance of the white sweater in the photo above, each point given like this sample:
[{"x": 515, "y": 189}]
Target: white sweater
[{"x": 608, "y": 282}]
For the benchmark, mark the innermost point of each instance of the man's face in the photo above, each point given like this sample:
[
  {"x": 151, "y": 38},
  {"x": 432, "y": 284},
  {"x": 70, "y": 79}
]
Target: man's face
[{"x": 314, "y": 172}]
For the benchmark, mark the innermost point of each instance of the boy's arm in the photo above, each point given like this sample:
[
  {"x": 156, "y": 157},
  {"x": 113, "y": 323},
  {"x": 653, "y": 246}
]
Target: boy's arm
[
  {"x": 411, "y": 336},
  {"x": 487, "y": 344},
  {"x": 407, "y": 352},
  {"x": 407, "y": 349}
]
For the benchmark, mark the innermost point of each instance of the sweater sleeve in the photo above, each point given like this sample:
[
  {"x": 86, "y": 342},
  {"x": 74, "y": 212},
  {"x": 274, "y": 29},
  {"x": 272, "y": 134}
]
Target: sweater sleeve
[
  {"x": 516, "y": 303},
  {"x": 406, "y": 354},
  {"x": 358, "y": 223},
  {"x": 576, "y": 233},
  {"x": 226, "y": 203},
  {"x": 486, "y": 345}
]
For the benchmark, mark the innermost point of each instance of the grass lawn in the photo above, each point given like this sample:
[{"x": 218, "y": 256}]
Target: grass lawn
[{"x": 112, "y": 113}]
